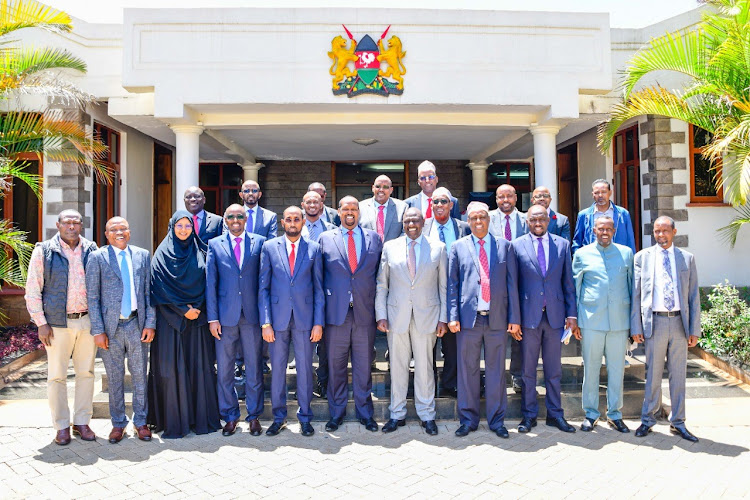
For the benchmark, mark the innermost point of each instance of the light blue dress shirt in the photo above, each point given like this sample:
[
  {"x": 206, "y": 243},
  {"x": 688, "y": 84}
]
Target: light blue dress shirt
[
  {"x": 448, "y": 233},
  {"x": 357, "y": 241}
]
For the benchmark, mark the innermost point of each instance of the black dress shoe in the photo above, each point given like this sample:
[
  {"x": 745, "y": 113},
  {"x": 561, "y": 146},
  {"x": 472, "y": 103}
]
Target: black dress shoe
[
  {"x": 618, "y": 425},
  {"x": 449, "y": 392},
  {"x": 334, "y": 424},
  {"x": 307, "y": 429},
  {"x": 526, "y": 424},
  {"x": 589, "y": 424},
  {"x": 464, "y": 430},
  {"x": 393, "y": 424},
  {"x": 642, "y": 431},
  {"x": 320, "y": 390},
  {"x": 560, "y": 423},
  {"x": 266, "y": 368},
  {"x": 517, "y": 383},
  {"x": 430, "y": 427},
  {"x": 275, "y": 428},
  {"x": 683, "y": 433},
  {"x": 369, "y": 423},
  {"x": 502, "y": 432},
  {"x": 230, "y": 427}
]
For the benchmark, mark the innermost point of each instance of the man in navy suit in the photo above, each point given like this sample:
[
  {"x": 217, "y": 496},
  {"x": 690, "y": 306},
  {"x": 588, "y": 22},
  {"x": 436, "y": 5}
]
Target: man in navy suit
[
  {"x": 584, "y": 232},
  {"x": 206, "y": 224},
  {"x": 559, "y": 224},
  {"x": 482, "y": 309},
  {"x": 328, "y": 214},
  {"x": 291, "y": 306},
  {"x": 548, "y": 304},
  {"x": 351, "y": 257},
  {"x": 428, "y": 180},
  {"x": 232, "y": 308}
]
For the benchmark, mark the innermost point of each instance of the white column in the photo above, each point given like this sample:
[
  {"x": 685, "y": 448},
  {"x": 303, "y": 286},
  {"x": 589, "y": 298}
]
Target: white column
[
  {"x": 250, "y": 171},
  {"x": 545, "y": 158},
  {"x": 478, "y": 175},
  {"x": 187, "y": 143}
]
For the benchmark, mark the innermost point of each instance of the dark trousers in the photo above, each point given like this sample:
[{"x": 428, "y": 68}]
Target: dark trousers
[
  {"x": 341, "y": 341},
  {"x": 279, "y": 351},
  {"x": 516, "y": 358},
  {"x": 469, "y": 347},
  {"x": 244, "y": 339},
  {"x": 322, "y": 370},
  {"x": 547, "y": 339},
  {"x": 449, "y": 349}
]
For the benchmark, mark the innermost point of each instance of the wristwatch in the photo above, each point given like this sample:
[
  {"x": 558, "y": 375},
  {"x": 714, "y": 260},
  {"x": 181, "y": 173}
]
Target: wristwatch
[{"x": 265, "y": 325}]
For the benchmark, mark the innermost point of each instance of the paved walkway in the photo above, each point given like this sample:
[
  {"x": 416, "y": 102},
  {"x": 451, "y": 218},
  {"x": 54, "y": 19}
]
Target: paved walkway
[{"x": 356, "y": 463}]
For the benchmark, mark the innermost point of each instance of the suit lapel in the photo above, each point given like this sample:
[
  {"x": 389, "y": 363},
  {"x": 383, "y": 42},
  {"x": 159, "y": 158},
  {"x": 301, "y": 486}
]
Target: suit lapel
[
  {"x": 249, "y": 242},
  {"x": 493, "y": 254},
  {"x": 339, "y": 240},
  {"x": 474, "y": 254},
  {"x": 531, "y": 250},
  {"x": 681, "y": 271},
  {"x": 281, "y": 248},
  {"x": 456, "y": 234},
  {"x": 135, "y": 257},
  {"x": 390, "y": 217},
  {"x": 552, "y": 257},
  {"x": 226, "y": 244},
  {"x": 363, "y": 254},
  {"x": 424, "y": 257},
  {"x": 552, "y": 222},
  {"x": 114, "y": 262},
  {"x": 204, "y": 225}
]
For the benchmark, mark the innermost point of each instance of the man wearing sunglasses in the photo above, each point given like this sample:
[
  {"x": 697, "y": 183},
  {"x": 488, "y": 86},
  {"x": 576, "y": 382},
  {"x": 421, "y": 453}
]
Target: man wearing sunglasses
[
  {"x": 258, "y": 219},
  {"x": 428, "y": 180}
]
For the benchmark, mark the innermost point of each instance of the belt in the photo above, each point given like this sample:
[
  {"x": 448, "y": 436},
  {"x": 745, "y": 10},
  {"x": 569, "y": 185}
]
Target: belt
[
  {"x": 483, "y": 313},
  {"x": 670, "y": 314},
  {"x": 132, "y": 315},
  {"x": 77, "y": 315}
]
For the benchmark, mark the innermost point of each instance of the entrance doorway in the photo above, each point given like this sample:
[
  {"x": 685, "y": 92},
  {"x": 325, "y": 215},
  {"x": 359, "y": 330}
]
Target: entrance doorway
[
  {"x": 162, "y": 192},
  {"x": 356, "y": 179},
  {"x": 626, "y": 185},
  {"x": 567, "y": 181}
]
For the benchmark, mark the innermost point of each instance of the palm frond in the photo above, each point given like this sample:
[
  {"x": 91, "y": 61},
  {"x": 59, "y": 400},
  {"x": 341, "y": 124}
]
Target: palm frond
[
  {"x": 729, "y": 233},
  {"x": 13, "y": 270},
  {"x": 19, "y": 14},
  {"x": 16, "y": 169},
  {"x": 735, "y": 172},
  {"x": 17, "y": 65}
]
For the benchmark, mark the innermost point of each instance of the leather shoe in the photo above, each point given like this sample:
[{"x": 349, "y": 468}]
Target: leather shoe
[
  {"x": 255, "y": 428},
  {"x": 642, "y": 431},
  {"x": 683, "y": 433},
  {"x": 449, "y": 392},
  {"x": 369, "y": 423},
  {"x": 393, "y": 424},
  {"x": 116, "y": 435},
  {"x": 430, "y": 427},
  {"x": 464, "y": 430},
  {"x": 560, "y": 423},
  {"x": 266, "y": 368},
  {"x": 334, "y": 424},
  {"x": 502, "y": 432},
  {"x": 84, "y": 432},
  {"x": 275, "y": 428},
  {"x": 144, "y": 433},
  {"x": 526, "y": 424},
  {"x": 306, "y": 429},
  {"x": 63, "y": 436},
  {"x": 320, "y": 390},
  {"x": 618, "y": 425},
  {"x": 229, "y": 428},
  {"x": 589, "y": 424},
  {"x": 517, "y": 383}
]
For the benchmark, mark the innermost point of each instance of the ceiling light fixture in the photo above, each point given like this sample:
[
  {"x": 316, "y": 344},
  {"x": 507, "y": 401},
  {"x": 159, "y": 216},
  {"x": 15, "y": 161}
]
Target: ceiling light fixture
[{"x": 365, "y": 142}]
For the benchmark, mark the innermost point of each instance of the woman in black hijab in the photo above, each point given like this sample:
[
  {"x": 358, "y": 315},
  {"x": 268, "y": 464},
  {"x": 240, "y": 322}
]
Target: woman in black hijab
[{"x": 182, "y": 381}]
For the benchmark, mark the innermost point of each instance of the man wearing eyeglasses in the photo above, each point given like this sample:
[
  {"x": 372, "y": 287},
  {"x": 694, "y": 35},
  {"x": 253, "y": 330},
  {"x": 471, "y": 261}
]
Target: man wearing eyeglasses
[
  {"x": 206, "y": 225},
  {"x": 558, "y": 223},
  {"x": 258, "y": 219},
  {"x": 381, "y": 213},
  {"x": 428, "y": 180},
  {"x": 327, "y": 214}
]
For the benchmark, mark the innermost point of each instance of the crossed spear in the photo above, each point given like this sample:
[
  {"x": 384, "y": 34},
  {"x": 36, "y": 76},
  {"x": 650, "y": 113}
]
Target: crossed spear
[{"x": 382, "y": 85}]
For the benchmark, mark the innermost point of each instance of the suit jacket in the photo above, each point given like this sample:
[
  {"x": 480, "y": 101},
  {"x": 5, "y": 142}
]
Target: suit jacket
[
  {"x": 211, "y": 227},
  {"x": 104, "y": 289},
  {"x": 327, "y": 226},
  {"x": 604, "y": 281},
  {"x": 339, "y": 283},
  {"x": 641, "y": 317},
  {"x": 556, "y": 288},
  {"x": 464, "y": 289},
  {"x": 398, "y": 296},
  {"x": 584, "y": 232},
  {"x": 460, "y": 227},
  {"x": 414, "y": 201},
  {"x": 229, "y": 289},
  {"x": 333, "y": 215},
  {"x": 267, "y": 226},
  {"x": 496, "y": 229},
  {"x": 282, "y": 294},
  {"x": 559, "y": 224},
  {"x": 394, "y": 226}
]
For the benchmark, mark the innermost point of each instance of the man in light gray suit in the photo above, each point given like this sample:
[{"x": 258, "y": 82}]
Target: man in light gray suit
[
  {"x": 118, "y": 286},
  {"x": 381, "y": 213},
  {"x": 410, "y": 308},
  {"x": 665, "y": 316}
]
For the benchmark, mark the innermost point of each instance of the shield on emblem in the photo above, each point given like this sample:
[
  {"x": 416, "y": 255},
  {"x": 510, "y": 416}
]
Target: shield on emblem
[{"x": 367, "y": 63}]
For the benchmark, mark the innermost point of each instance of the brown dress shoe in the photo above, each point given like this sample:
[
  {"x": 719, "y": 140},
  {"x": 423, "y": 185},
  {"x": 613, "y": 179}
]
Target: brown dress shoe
[
  {"x": 63, "y": 436},
  {"x": 116, "y": 435},
  {"x": 144, "y": 433},
  {"x": 84, "y": 432},
  {"x": 255, "y": 427},
  {"x": 229, "y": 428}
]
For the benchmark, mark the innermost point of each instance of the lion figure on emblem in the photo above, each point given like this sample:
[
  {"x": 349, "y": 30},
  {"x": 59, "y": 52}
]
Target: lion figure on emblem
[
  {"x": 341, "y": 58},
  {"x": 392, "y": 57}
]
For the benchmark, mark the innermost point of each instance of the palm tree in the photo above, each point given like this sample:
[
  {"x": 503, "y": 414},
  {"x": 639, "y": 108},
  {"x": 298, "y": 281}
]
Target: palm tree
[
  {"x": 715, "y": 58},
  {"x": 57, "y": 137}
]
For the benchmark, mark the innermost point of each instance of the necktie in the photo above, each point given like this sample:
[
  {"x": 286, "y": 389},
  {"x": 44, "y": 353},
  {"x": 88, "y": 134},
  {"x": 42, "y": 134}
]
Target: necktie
[
  {"x": 668, "y": 284},
  {"x": 540, "y": 257},
  {"x": 249, "y": 226},
  {"x": 380, "y": 224},
  {"x": 352, "y": 252},
  {"x": 238, "y": 251},
  {"x": 442, "y": 233},
  {"x": 428, "y": 212},
  {"x": 412, "y": 262},
  {"x": 484, "y": 272},
  {"x": 508, "y": 235},
  {"x": 126, "y": 308},
  {"x": 312, "y": 230},
  {"x": 195, "y": 224},
  {"x": 292, "y": 256}
]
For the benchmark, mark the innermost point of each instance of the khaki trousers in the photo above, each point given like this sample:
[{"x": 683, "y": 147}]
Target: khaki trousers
[{"x": 77, "y": 342}]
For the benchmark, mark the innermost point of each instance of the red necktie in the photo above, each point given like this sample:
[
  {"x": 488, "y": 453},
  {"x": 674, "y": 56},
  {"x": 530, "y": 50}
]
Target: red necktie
[
  {"x": 352, "y": 253},
  {"x": 428, "y": 213},
  {"x": 291, "y": 261},
  {"x": 380, "y": 224},
  {"x": 195, "y": 224},
  {"x": 484, "y": 274}
]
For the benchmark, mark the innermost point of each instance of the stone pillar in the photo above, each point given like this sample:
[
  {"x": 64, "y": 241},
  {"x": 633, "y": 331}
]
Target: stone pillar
[
  {"x": 545, "y": 158},
  {"x": 250, "y": 171},
  {"x": 187, "y": 144},
  {"x": 478, "y": 176}
]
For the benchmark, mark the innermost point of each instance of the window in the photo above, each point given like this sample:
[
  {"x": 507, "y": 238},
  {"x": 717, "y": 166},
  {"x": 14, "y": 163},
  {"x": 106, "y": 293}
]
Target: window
[
  {"x": 221, "y": 183},
  {"x": 517, "y": 175},
  {"x": 626, "y": 187},
  {"x": 702, "y": 172},
  {"x": 356, "y": 179},
  {"x": 106, "y": 199}
]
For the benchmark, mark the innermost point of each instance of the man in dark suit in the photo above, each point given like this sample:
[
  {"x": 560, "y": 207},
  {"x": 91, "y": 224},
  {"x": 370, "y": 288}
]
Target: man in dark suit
[
  {"x": 118, "y": 287},
  {"x": 381, "y": 213},
  {"x": 445, "y": 229},
  {"x": 483, "y": 308},
  {"x": 548, "y": 304},
  {"x": 291, "y": 306},
  {"x": 558, "y": 223},
  {"x": 328, "y": 214},
  {"x": 206, "y": 224},
  {"x": 232, "y": 267},
  {"x": 428, "y": 180},
  {"x": 351, "y": 256},
  {"x": 666, "y": 318},
  {"x": 601, "y": 191}
]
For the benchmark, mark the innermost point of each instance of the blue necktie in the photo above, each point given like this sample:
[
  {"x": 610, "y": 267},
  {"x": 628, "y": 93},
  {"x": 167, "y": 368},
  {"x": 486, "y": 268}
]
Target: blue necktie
[
  {"x": 126, "y": 309},
  {"x": 668, "y": 284},
  {"x": 442, "y": 233},
  {"x": 313, "y": 230}
]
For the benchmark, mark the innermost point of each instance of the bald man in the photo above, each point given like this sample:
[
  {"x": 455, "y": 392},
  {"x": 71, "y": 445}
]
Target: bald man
[{"x": 381, "y": 213}]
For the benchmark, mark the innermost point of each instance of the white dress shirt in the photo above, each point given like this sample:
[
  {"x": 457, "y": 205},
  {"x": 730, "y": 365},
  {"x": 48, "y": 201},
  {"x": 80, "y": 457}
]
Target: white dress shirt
[
  {"x": 129, "y": 259},
  {"x": 658, "y": 291},
  {"x": 609, "y": 212},
  {"x": 423, "y": 202}
]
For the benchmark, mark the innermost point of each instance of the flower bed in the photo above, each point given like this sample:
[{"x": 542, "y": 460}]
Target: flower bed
[{"x": 17, "y": 341}]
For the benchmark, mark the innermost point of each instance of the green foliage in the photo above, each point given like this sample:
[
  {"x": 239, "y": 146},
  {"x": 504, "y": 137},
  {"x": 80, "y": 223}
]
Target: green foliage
[{"x": 726, "y": 325}]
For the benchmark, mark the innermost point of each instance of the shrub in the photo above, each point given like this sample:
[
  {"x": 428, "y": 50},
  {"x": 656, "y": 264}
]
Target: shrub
[
  {"x": 726, "y": 325},
  {"x": 16, "y": 339}
]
